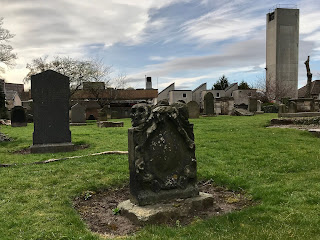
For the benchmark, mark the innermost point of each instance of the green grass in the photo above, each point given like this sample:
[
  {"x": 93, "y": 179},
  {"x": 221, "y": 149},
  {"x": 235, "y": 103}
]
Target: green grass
[{"x": 279, "y": 168}]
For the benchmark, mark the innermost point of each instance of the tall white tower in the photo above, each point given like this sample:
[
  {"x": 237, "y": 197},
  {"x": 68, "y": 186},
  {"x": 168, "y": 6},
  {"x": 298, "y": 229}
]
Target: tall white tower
[{"x": 282, "y": 52}]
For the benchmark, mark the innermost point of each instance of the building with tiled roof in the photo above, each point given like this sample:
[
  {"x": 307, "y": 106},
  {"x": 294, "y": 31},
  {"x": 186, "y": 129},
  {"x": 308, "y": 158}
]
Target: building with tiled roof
[{"x": 315, "y": 90}]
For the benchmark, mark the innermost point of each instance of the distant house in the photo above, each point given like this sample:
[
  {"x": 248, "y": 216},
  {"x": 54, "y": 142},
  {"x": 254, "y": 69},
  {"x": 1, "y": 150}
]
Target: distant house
[
  {"x": 196, "y": 93},
  {"x": 315, "y": 90},
  {"x": 164, "y": 94},
  {"x": 12, "y": 99},
  {"x": 117, "y": 101},
  {"x": 176, "y": 95},
  {"x": 224, "y": 100},
  {"x": 14, "y": 93}
]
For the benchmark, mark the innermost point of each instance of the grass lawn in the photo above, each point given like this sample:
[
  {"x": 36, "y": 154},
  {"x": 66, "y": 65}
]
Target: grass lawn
[{"x": 279, "y": 168}]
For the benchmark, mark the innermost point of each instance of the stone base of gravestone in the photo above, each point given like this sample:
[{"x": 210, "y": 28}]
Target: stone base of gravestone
[
  {"x": 241, "y": 112},
  {"x": 315, "y": 132},
  {"x": 19, "y": 124},
  {"x": 52, "y": 148},
  {"x": 78, "y": 124},
  {"x": 259, "y": 112},
  {"x": 163, "y": 212},
  {"x": 103, "y": 124},
  {"x": 299, "y": 114}
]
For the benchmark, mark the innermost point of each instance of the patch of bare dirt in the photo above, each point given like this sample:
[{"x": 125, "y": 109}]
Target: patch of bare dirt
[
  {"x": 98, "y": 209},
  {"x": 28, "y": 151}
]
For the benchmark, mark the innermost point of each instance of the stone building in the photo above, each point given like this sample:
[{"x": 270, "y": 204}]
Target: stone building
[{"x": 118, "y": 101}]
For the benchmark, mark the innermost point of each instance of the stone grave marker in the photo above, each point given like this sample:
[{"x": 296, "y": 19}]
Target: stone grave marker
[
  {"x": 209, "y": 104},
  {"x": 292, "y": 107},
  {"x": 50, "y": 93},
  {"x": 18, "y": 117},
  {"x": 253, "y": 105},
  {"x": 162, "y": 163},
  {"x": 78, "y": 115},
  {"x": 259, "y": 104},
  {"x": 106, "y": 124},
  {"x": 194, "y": 109}
]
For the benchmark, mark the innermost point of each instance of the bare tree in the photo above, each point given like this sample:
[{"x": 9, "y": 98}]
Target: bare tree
[
  {"x": 7, "y": 57},
  {"x": 273, "y": 90},
  {"x": 104, "y": 94},
  {"x": 78, "y": 71},
  {"x": 309, "y": 76}
]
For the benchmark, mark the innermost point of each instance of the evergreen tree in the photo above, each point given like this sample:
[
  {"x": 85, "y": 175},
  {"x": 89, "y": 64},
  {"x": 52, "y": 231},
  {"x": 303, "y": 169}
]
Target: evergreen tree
[
  {"x": 221, "y": 84},
  {"x": 244, "y": 85}
]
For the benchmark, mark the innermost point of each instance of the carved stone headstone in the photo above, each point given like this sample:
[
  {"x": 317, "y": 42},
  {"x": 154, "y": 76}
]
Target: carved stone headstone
[
  {"x": 78, "y": 114},
  {"x": 18, "y": 117},
  {"x": 194, "y": 109},
  {"x": 50, "y": 94},
  {"x": 209, "y": 104},
  {"x": 162, "y": 158}
]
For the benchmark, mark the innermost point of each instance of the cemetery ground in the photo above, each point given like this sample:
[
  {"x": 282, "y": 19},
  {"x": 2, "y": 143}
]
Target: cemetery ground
[{"x": 279, "y": 169}]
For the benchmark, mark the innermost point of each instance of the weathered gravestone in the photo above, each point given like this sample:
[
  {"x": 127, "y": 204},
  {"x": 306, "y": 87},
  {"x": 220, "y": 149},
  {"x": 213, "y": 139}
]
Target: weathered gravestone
[
  {"x": 50, "y": 92},
  {"x": 252, "y": 105},
  {"x": 103, "y": 113},
  {"x": 194, "y": 109},
  {"x": 18, "y": 117},
  {"x": 78, "y": 115},
  {"x": 259, "y": 104},
  {"x": 162, "y": 162},
  {"x": 292, "y": 107},
  {"x": 209, "y": 104}
]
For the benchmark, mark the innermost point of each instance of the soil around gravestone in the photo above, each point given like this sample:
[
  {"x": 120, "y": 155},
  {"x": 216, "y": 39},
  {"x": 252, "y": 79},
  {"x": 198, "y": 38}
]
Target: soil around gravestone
[
  {"x": 28, "y": 150},
  {"x": 97, "y": 209}
]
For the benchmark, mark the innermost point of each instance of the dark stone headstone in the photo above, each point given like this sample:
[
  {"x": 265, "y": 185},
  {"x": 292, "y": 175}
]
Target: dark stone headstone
[
  {"x": 194, "y": 109},
  {"x": 78, "y": 114},
  {"x": 162, "y": 158},
  {"x": 253, "y": 104},
  {"x": 50, "y": 93},
  {"x": 18, "y": 117},
  {"x": 209, "y": 104}
]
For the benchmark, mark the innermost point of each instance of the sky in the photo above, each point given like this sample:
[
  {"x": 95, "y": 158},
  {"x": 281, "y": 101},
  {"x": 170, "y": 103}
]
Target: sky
[{"x": 188, "y": 42}]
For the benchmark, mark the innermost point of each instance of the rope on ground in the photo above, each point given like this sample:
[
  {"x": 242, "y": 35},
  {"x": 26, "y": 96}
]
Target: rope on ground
[{"x": 65, "y": 158}]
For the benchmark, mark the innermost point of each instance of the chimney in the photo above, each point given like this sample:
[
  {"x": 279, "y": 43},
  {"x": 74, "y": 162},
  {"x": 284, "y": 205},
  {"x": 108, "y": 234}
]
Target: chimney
[{"x": 148, "y": 83}]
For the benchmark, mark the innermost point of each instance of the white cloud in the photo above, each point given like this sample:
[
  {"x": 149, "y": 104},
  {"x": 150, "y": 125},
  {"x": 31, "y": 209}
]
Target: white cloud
[
  {"x": 160, "y": 59},
  {"x": 223, "y": 23},
  {"x": 69, "y": 27}
]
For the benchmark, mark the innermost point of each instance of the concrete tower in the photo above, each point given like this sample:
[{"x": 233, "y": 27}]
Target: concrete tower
[
  {"x": 148, "y": 83},
  {"x": 282, "y": 53}
]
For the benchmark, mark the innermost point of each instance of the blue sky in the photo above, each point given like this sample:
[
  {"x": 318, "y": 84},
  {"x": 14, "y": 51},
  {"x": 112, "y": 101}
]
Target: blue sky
[{"x": 188, "y": 42}]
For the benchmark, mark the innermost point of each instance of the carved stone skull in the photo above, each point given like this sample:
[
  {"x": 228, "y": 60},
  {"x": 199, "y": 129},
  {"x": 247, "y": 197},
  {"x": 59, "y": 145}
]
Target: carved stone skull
[{"x": 139, "y": 114}]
